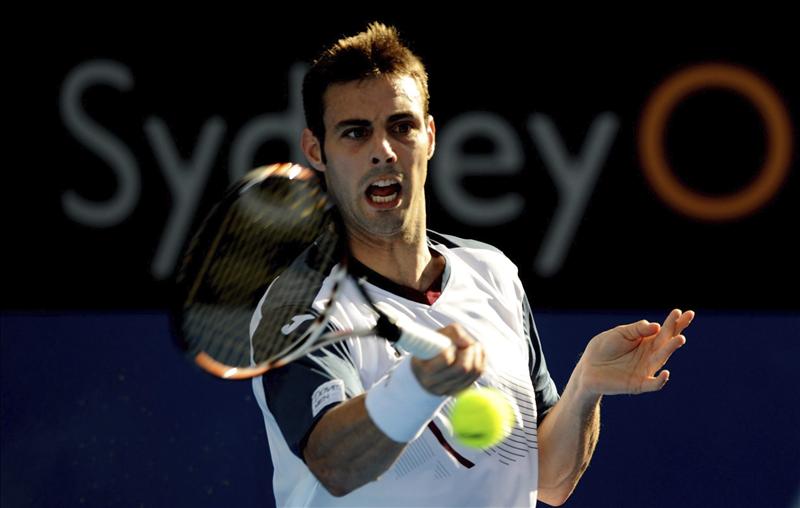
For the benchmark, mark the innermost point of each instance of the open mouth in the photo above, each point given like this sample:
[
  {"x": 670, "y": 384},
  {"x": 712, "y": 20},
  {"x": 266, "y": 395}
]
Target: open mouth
[{"x": 384, "y": 193}]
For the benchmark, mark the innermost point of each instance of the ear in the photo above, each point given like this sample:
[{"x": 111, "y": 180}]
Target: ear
[
  {"x": 312, "y": 149},
  {"x": 431, "y": 129}
]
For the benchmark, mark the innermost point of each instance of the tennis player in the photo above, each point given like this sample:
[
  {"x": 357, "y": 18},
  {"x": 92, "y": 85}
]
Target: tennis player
[{"x": 361, "y": 423}]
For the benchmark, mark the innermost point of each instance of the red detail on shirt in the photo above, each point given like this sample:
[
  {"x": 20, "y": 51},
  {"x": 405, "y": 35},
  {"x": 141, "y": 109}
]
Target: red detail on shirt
[{"x": 432, "y": 295}]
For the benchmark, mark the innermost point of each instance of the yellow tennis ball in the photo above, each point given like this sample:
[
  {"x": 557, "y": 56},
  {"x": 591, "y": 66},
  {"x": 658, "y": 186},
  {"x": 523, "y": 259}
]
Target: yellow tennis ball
[{"x": 482, "y": 417}]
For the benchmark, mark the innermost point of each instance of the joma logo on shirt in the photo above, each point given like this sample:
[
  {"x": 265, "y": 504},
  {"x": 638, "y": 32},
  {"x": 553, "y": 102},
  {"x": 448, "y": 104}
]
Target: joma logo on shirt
[{"x": 296, "y": 321}]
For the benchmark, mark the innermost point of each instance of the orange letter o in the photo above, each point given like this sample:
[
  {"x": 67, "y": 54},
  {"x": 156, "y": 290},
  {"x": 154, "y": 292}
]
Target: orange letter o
[{"x": 779, "y": 141}]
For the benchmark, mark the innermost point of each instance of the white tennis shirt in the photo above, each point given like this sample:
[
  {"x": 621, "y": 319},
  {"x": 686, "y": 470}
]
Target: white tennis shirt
[{"x": 480, "y": 290}]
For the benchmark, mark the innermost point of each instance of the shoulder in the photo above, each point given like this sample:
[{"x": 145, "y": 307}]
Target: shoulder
[
  {"x": 299, "y": 284},
  {"x": 486, "y": 262},
  {"x": 454, "y": 242},
  {"x": 474, "y": 252}
]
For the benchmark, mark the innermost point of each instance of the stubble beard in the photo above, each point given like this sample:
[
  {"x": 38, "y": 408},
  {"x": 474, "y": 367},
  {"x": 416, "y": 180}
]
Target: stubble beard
[{"x": 370, "y": 225}]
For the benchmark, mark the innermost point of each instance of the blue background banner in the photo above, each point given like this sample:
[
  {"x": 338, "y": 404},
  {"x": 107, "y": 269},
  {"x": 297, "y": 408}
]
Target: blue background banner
[{"x": 101, "y": 410}]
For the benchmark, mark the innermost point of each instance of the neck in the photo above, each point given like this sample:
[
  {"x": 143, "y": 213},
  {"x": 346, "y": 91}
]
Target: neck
[{"x": 405, "y": 259}]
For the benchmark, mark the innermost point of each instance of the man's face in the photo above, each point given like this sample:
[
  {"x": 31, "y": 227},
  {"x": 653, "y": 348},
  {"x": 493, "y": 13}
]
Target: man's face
[{"x": 377, "y": 143}]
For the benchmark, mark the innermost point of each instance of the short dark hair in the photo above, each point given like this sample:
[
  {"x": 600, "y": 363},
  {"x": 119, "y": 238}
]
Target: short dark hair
[{"x": 377, "y": 51}]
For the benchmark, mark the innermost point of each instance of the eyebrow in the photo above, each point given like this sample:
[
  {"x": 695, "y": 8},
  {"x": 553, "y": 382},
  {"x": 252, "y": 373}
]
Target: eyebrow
[
  {"x": 358, "y": 122},
  {"x": 351, "y": 122},
  {"x": 403, "y": 115}
]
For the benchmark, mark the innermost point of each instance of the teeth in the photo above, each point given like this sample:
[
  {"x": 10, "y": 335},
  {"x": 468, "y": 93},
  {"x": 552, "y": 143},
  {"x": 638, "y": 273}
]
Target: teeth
[
  {"x": 383, "y": 199},
  {"x": 384, "y": 183}
]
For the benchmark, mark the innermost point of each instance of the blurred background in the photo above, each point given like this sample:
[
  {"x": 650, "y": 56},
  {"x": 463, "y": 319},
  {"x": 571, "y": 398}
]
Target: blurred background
[{"x": 564, "y": 138}]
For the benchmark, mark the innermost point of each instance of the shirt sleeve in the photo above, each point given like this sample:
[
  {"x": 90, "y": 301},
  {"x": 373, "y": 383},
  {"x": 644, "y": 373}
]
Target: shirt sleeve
[
  {"x": 299, "y": 394},
  {"x": 543, "y": 385}
]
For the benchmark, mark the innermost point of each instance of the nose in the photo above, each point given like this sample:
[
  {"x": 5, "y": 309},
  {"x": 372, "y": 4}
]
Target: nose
[{"x": 382, "y": 152}]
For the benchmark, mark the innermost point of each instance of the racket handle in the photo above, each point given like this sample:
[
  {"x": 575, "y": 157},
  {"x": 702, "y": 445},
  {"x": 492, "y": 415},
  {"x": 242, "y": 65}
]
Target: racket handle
[{"x": 421, "y": 342}]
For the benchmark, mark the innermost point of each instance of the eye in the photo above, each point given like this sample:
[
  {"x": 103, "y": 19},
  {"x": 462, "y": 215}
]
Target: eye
[
  {"x": 356, "y": 133},
  {"x": 404, "y": 128}
]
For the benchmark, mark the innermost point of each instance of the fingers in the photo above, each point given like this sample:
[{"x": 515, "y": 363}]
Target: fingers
[
  {"x": 684, "y": 321},
  {"x": 668, "y": 328},
  {"x": 455, "y": 368},
  {"x": 674, "y": 324},
  {"x": 466, "y": 368},
  {"x": 672, "y": 339},
  {"x": 653, "y": 384},
  {"x": 458, "y": 335},
  {"x": 637, "y": 330},
  {"x": 661, "y": 356}
]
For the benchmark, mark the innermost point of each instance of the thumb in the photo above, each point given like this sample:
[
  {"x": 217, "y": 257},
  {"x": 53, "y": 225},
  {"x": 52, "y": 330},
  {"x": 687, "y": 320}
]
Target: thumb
[{"x": 639, "y": 329}]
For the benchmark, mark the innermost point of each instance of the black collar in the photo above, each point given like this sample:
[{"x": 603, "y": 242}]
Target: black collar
[{"x": 359, "y": 269}]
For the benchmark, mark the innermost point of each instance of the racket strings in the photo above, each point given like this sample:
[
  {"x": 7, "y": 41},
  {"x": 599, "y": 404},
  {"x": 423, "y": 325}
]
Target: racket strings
[{"x": 264, "y": 229}]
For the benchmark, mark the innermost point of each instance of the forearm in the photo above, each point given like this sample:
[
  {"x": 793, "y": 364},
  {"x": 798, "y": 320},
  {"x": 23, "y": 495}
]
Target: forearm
[
  {"x": 567, "y": 439},
  {"x": 346, "y": 450},
  {"x": 357, "y": 441}
]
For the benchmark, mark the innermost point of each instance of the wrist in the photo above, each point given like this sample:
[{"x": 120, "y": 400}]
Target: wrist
[
  {"x": 584, "y": 386},
  {"x": 400, "y": 406},
  {"x": 417, "y": 371}
]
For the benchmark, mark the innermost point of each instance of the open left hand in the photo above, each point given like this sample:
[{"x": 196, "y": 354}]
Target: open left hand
[{"x": 626, "y": 358}]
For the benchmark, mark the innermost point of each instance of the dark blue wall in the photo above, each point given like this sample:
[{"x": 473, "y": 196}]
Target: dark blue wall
[{"x": 100, "y": 410}]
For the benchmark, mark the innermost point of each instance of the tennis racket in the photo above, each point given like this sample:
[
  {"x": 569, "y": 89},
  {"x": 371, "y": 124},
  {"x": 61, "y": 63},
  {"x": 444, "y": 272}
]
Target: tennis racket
[{"x": 250, "y": 245}]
